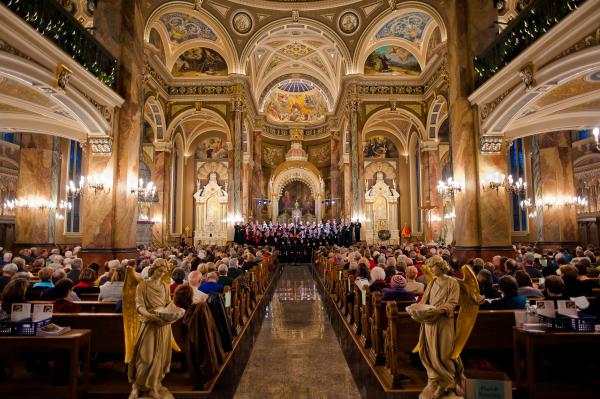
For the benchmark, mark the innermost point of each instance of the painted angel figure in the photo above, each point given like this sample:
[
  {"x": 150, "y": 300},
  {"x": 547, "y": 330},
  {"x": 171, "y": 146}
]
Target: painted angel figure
[
  {"x": 148, "y": 337},
  {"x": 440, "y": 344}
]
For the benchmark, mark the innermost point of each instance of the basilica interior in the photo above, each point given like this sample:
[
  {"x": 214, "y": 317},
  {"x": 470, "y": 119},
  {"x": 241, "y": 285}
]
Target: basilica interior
[{"x": 467, "y": 125}]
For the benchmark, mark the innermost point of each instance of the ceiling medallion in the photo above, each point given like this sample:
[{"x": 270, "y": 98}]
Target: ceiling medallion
[
  {"x": 348, "y": 22},
  {"x": 242, "y": 22}
]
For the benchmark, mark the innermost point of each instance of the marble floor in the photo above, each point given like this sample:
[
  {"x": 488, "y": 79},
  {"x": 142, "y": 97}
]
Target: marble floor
[{"x": 296, "y": 354}]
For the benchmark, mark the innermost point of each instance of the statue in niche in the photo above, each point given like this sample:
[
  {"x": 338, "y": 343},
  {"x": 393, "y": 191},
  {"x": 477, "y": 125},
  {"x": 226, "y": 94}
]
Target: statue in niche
[{"x": 440, "y": 344}]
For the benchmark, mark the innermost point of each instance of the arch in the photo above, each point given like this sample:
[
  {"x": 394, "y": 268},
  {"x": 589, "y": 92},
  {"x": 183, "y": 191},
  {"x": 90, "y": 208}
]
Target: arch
[
  {"x": 368, "y": 42},
  {"x": 194, "y": 123},
  {"x": 207, "y": 168},
  {"x": 223, "y": 43},
  {"x": 157, "y": 117},
  {"x": 392, "y": 122},
  {"x": 374, "y": 167},
  {"x": 291, "y": 171},
  {"x": 65, "y": 113},
  {"x": 438, "y": 113},
  {"x": 519, "y": 115}
]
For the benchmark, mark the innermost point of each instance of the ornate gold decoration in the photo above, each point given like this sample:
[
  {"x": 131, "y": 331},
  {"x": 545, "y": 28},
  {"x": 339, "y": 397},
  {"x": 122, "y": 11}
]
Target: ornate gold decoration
[
  {"x": 101, "y": 146},
  {"x": 486, "y": 109},
  {"x": 63, "y": 74},
  {"x": 489, "y": 145},
  {"x": 526, "y": 75}
]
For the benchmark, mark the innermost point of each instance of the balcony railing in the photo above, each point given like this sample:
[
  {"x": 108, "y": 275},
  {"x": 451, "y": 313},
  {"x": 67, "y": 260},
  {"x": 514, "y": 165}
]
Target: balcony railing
[
  {"x": 531, "y": 24},
  {"x": 55, "y": 23}
]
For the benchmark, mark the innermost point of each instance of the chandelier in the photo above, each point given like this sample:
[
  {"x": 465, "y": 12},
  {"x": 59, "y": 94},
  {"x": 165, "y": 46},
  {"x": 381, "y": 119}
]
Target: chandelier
[
  {"x": 449, "y": 188},
  {"x": 516, "y": 186},
  {"x": 94, "y": 182},
  {"x": 557, "y": 202},
  {"x": 36, "y": 203},
  {"x": 147, "y": 194},
  {"x": 495, "y": 181}
]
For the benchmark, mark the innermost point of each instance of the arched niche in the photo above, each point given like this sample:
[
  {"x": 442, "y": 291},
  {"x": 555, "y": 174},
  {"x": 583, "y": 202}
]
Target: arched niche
[
  {"x": 211, "y": 213},
  {"x": 296, "y": 171}
]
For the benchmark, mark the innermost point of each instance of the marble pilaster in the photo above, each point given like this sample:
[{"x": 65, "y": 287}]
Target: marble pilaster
[
  {"x": 35, "y": 181},
  {"x": 335, "y": 172},
  {"x": 157, "y": 211},
  {"x": 238, "y": 110},
  {"x": 557, "y": 180},
  {"x": 354, "y": 157},
  {"x": 257, "y": 175}
]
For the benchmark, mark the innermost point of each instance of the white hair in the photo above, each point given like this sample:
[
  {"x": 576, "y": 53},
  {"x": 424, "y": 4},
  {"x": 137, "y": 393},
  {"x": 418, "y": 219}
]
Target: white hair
[
  {"x": 391, "y": 261},
  {"x": 10, "y": 268},
  {"x": 233, "y": 262},
  {"x": 113, "y": 264},
  {"x": 377, "y": 273},
  {"x": 76, "y": 263},
  {"x": 7, "y": 256},
  {"x": 222, "y": 268},
  {"x": 68, "y": 254}
]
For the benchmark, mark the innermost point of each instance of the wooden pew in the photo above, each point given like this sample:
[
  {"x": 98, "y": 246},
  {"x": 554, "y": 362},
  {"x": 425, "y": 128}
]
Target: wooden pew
[
  {"x": 492, "y": 331},
  {"x": 91, "y": 306}
]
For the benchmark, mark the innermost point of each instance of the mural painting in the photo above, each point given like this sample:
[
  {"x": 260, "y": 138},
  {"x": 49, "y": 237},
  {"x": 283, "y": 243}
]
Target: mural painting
[
  {"x": 273, "y": 155},
  {"x": 212, "y": 148},
  {"x": 380, "y": 147},
  {"x": 392, "y": 60},
  {"x": 199, "y": 61},
  {"x": 307, "y": 106},
  {"x": 409, "y": 27},
  {"x": 319, "y": 154},
  {"x": 296, "y": 195}
]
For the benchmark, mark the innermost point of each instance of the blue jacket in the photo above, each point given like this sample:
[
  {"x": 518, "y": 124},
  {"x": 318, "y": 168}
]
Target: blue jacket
[{"x": 210, "y": 287}]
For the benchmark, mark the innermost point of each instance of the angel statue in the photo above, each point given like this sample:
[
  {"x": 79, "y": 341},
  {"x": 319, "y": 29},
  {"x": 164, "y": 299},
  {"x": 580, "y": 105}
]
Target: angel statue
[
  {"x": 147, "y": 316},
  {"x": 439, "y": 344}
]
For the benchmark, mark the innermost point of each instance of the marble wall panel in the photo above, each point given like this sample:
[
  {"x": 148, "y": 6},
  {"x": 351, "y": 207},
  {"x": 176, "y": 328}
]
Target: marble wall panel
[
  {"x": 158, "y": 216},
  {"x": 35, "y": 175},
  {"x": 494, "y": 206}
]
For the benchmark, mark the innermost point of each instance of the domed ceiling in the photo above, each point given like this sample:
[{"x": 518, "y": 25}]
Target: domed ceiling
[{"x": 295, "y": 101}]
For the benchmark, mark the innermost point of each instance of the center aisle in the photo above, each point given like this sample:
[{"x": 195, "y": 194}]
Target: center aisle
[{"x": 296, "y": 354}]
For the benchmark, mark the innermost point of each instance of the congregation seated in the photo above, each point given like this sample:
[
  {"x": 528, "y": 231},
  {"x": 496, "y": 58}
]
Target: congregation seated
[
  {"x": 87, "y": 282},
  {"x": 224, "y": 279},
  {"x": 574, "y": 286},
  {"x": 8, "y": 271},
  {"x": 377, "y": 279},
  {"x": 76, "y": 265},
  {"x": 112, "y": 291},
  {"x": 194, "y": 281},
  {"x": 525, "y": 284},
  {"x": 178, "y": 277},
  {"x": 63, "y": 304},
  {"x": 555, "y": 289},
  {"x": 234, "y": 271},
  {"x": 397, "y": 290},
  {"x": 14, "y": 292},
  {"x": 45, "y": 276},
  {"x": 211, "y": 286},
  {"x": 486, "y": 285},
  {"x": 413, "y": 286}
]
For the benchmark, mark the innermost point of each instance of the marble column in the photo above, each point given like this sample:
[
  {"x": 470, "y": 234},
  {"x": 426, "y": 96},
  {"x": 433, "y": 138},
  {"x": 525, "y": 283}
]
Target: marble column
[
  {"x": 38, "y": 179},
  {"x": 353, "y": 104},
  {"x": 494, "y": 207},
  {"x": 556, "y": 180},
  {"x": 335, "y": 172},
  {"x": 97, "y": 210},
  {"x": 257, "y": 175},
  {"x": 119, "y": 27},
  {"x": 158, "y": 210},
  {"x": 468, "y": 33},
  {"x": 238, "y": 110}
]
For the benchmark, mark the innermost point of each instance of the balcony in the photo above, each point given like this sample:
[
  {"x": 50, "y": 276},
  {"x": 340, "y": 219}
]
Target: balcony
[
  {"x": 53, "y": 22},
  {"x": 531, "y": 24}
]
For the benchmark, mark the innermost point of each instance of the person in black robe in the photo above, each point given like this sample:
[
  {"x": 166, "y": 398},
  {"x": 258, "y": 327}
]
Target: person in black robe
[{"x": 357, "y": 227}]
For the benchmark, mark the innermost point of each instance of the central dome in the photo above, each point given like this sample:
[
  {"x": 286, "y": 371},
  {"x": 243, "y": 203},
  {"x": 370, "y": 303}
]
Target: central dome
[{"x": 295, "y": 101}]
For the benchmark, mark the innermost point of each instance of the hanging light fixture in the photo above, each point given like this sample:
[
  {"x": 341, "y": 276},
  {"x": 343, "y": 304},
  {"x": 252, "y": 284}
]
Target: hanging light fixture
[
  {"x": 147, "y": 194},
  {"x": 449, "y": 188}
]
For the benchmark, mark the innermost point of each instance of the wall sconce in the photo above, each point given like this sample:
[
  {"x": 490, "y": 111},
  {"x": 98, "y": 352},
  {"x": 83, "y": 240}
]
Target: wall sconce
[
  {"x": 436, "y": 218},
  {"x": 449, "y": 188},
  {"x": 494, "y": 182},
  {"x": 450, "y": 216},
  {"x": 147, "y": 194},
  {"x": 36, "y": 203},
  {"x": 94, "y": 182},
  {"x": 75, "y": 191},
  {"x": 596, "y": 133},
  {"x": 526, "y": 203}
]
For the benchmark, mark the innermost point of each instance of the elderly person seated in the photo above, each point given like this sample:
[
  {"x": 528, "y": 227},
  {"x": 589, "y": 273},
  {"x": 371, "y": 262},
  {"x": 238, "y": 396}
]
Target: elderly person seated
[
  {"x": 112, "y": 291},
  {"x": 194, "y": 281},
  {"x": 8, "y": 271},
  {"x": 555, "y": 289},
  {"x": 510, "y": 296},
  {"x": 87, "y": 282},
  {"x": 574, "y": 287},
  {"x": 76, "y": 265},
  {"x": 178, "y": 276},
  {"x": 377, "y": 279},
  {"x": 64, "y": 290},
  {"x": 210, "y": 286},
  {"x": 526, "y": 285},
  {"x": 486, "y": 287},
  {"x": 234, "y": 271},
  {"x": 397, "y": 290},
  {"x": 45, "y": 276},
  {"x": 112, "y": 266},
  {"x": 412, "y": 285},
  {"x": 14, "y": 292},
  {"x": 224, "y": 279}
]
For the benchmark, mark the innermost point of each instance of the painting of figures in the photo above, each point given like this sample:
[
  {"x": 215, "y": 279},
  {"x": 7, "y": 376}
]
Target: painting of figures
[
  {"x": 380, "y": 147},
  {"x": 296, "y": 195},
  {"x": 199, "y": 61},
  {"x": 309, "y": 106},
  {"x": 211, "y": 148},
  {"x": 392, "y": 60}
]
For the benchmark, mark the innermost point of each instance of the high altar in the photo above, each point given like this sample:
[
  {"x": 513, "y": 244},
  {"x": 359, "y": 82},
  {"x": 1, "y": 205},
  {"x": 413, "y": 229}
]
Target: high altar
[{"x": 381, "y": 210}]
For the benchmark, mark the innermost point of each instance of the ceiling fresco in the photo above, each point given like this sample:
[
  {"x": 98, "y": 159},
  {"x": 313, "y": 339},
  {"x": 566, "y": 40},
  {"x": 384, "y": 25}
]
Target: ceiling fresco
[
  {"x": 182, "y": 27},
  {"x": 392, "y": 60},
  {"x": 409, "y": 27},
  {"x": 295, "y": 102},
  {"x": 199, "y": 61}
]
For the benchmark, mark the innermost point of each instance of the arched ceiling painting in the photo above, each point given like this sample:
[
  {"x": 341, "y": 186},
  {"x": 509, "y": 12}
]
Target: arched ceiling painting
[
  {"x": 199, "y": 61},
  {"x": 392, "y": 60},
  {"x": 295, "y": 101}
]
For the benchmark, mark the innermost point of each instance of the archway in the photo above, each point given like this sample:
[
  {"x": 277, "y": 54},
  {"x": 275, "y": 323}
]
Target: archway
[{"x": 301, "y": 175}]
